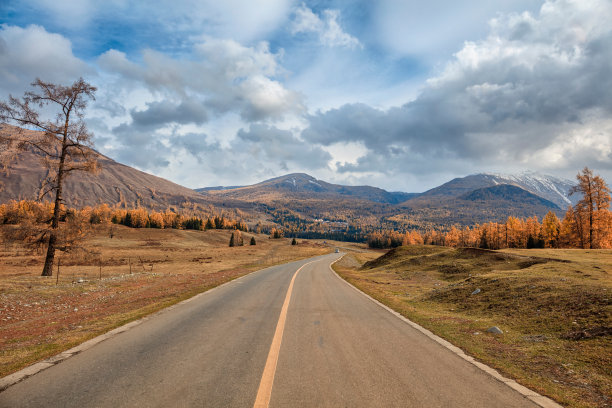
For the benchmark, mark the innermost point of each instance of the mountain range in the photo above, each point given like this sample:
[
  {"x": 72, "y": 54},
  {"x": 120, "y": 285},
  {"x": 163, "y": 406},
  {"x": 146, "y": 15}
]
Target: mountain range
[{"x": 300, "y": 199}]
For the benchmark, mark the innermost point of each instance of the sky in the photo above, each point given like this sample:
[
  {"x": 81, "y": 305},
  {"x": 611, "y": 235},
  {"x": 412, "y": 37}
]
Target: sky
[{"x": 398, "y": 94}]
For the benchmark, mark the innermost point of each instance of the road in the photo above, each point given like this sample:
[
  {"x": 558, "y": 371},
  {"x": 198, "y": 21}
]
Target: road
[{"x": 272, "y": 338}]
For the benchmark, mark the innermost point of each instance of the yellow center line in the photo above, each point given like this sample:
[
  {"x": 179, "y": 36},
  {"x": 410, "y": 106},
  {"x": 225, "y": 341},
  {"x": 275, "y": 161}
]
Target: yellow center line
[{"x": 267, "y": 378}]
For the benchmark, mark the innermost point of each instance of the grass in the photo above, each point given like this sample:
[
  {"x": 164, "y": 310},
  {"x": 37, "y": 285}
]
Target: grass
[
  {"x": 552, "y": 305},
  {"x": 43, "y": 316}
]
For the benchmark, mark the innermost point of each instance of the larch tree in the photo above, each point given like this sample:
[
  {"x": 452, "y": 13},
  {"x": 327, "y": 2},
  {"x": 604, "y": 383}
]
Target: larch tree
[
  {"x": 551, "y": 228},
  {"x": 594, "y": 204},
  {"x": 63, "y": 142}
]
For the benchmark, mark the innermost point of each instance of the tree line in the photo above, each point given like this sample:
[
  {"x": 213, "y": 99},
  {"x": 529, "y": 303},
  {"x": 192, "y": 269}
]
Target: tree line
[{"x": 34, "y": 212}]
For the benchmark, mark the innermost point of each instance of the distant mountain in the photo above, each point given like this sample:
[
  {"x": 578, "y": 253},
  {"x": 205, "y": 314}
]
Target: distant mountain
[
  {"x": 551, "y": 188},
  {"x": 301, "y": 185},
  {"x": 508, "y": 193},
  {"x": 216, "y": 188}
]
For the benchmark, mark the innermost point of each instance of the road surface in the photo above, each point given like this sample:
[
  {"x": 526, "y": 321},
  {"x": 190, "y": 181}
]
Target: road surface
[{"x": 272, "y": 338}]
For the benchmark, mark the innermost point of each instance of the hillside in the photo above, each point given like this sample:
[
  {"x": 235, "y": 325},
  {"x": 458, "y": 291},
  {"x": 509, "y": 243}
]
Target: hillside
[
  {"x": 506, "y": 193},
  {"x": 113, "y": 184}
]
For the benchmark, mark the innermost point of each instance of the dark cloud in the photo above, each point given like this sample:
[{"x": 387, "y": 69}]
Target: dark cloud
[{"x": 161, "y": 113}]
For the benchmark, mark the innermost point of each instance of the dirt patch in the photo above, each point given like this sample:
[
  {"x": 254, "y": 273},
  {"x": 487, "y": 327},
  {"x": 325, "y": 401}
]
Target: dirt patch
[{"x": 589, "y": 333}]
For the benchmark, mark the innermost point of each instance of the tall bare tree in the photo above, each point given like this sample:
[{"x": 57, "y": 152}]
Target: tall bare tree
[{"x": 62, "y": 142}]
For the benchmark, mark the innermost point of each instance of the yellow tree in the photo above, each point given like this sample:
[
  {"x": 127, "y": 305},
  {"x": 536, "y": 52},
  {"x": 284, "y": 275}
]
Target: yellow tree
[
  {"x": 551, "y": 228},
  {"x": 593, "y": 206}
]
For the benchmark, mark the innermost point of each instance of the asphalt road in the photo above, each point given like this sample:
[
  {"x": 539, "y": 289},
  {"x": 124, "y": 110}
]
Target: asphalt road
[{"x": 338, "y": 349}]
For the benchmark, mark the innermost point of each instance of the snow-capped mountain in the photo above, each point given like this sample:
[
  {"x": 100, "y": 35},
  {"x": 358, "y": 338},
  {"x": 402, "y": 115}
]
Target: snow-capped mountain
[{"x": 552, "y": 188}]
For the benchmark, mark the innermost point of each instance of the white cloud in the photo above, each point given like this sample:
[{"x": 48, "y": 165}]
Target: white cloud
[
  {"x": 326, "y": 28},
  {"x": 27, "y": 53}
]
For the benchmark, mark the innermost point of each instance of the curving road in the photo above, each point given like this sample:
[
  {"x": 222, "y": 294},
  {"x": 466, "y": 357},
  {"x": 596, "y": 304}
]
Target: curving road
[{"x": 334, "y": 348}]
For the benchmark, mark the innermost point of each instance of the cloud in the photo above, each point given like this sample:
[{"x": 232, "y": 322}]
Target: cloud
[
  {"x": 326, "y": 28},
  {"x": 30, "y": 52},
  {"x": 159, "y": 113},
  {"x": 170, "y": 100},
  {"x": 281, "y": 147},
  {"x": 536, "y": 85},
  {"x": 224, "y": 75}
]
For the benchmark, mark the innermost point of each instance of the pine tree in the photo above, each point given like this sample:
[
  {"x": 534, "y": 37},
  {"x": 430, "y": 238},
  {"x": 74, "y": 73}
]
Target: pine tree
[
  {"x": 253, "y": 241},
  {"x": 293, "y": 242},
  {"x": 232, "y": 240}
]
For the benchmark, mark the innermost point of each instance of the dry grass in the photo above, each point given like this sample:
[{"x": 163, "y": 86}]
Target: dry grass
[
  {"x": 40, "y": 318},
  {"x": 553, "y": 306}
]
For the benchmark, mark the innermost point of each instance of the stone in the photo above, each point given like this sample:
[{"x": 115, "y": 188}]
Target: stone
[
  {"x": 477, "y": 291},
  {"x": 495, "y": 330}
]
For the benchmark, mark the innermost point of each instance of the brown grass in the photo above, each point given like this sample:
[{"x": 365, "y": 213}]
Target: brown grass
[
  {"x": 553, "y": 306},
  {"x": 40, "y": 318}
]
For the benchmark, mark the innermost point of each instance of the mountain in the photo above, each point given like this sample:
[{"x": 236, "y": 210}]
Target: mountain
[
  {"x": 507, "y": 193},
  {"x": 300, "y": 202},
  {"x": 551, "y": 188},
  {"x": 113, "y": 184},
  {"x": 304, "y": 186}
]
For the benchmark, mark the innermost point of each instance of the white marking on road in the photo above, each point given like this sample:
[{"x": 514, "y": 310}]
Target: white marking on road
[{"x": 267, "y": 378}]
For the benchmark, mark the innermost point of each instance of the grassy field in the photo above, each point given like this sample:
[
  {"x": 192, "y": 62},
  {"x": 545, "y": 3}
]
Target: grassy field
[
  {"x": 117, "y": 280},
  {"x": 553, "y": 307}
]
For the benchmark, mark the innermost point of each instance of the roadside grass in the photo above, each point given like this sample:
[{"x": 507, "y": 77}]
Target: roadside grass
[
  {"x": 552, "y": 305},
  {"x": 43, "y": 316}
]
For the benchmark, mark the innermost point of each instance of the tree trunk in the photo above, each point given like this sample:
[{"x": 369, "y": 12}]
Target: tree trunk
[{"x": 48, "y": 268}]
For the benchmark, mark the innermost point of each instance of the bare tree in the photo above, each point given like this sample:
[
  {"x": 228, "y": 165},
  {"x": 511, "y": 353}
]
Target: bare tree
[{"x": 62, "y": 142}]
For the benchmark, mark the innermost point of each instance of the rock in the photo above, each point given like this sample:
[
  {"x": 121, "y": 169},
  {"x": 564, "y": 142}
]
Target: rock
[
  {"x": 477, "y": 291},
  {"x": 495, "y": 330}
]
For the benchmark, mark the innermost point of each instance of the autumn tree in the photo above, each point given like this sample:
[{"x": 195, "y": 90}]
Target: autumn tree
[
  {"x": 551, "y": 230},
  {"x": 63, "y": 143},
  {"x": 593, "y": 206}
]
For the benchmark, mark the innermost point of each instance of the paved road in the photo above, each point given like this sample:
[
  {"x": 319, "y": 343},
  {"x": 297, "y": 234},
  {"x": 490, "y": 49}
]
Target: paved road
[{"x": 338, "y": 350}]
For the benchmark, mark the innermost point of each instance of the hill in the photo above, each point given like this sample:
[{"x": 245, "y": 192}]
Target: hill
[{"x": 113, "y": 184}]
